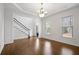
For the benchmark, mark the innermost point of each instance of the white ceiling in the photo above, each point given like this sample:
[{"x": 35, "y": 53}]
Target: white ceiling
[{"x": 51, "y": 8}]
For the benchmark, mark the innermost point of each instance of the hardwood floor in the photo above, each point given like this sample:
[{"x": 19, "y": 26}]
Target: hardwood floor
[{"x": 35, "y": 46}]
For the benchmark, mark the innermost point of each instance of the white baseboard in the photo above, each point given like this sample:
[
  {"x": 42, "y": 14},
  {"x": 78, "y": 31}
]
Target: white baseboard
[
  {"x": 8, "y": 42},
  {"x": 63, "y": 40},
  {"x": 1, "y": 47},
  {"x": 74, "y": 44}
]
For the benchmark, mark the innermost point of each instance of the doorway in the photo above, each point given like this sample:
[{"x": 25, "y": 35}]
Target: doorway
[{"x": 37, "y": 32}]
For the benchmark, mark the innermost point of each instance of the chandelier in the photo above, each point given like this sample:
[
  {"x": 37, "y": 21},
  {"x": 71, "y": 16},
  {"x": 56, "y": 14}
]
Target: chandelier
[{"x": 42, "y": 12}]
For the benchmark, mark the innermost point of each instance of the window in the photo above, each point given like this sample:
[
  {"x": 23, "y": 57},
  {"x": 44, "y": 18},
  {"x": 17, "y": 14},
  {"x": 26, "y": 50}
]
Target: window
[{"x": 67, "y": 26}]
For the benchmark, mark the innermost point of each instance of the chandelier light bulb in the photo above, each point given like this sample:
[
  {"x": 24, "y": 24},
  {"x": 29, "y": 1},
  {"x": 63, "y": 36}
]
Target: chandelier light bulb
[{"x": 41, "y": 15}]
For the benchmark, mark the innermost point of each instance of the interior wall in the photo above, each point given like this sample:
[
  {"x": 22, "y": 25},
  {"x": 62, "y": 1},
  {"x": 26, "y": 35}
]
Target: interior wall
[
  {"x": 55, "y": 22},
  {"x": 1, "y": 27},
  {"x": 18, "y": 34},
  {"x": 10, "y": 11},
  {"x": 29, "y": 22},
  {"x": 26, "y": 21},
  {"x": 8, "y": 24},
  {"x": 31, "y": 19}
]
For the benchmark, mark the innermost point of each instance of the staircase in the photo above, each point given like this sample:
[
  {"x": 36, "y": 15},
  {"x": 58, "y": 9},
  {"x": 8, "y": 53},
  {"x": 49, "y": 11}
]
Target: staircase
[{"x": 21, "y": 28}]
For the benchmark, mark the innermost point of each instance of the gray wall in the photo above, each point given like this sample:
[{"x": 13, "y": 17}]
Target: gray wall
[
  {"x": 8, "y": 25},
  {"x": 18, "y": 33},
  {"x": 55, "y": 22},
  {"x": 1, "y": 27},
  {"x": 26, "y": 21},
  {"x": 10, "y": 34}
]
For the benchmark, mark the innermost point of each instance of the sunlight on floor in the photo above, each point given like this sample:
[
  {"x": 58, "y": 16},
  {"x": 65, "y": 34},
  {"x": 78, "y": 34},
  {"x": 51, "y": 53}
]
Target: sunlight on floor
[
  {"x": 66, "y": 51},
  {"x": 67, "y": 35},
  {"x": 37, "y": 44},
  {"x": 47, "y": 48}
]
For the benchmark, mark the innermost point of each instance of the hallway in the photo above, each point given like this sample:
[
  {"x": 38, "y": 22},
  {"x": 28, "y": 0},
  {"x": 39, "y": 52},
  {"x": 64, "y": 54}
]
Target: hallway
[{"x": 35, "y": 46}]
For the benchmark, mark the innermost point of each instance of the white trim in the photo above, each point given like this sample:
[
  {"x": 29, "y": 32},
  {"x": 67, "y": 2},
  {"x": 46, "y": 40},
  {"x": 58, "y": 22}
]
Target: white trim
[
  {"x": 21, "y": 9},
  {"x": 9, "y": 42},
  {"x": 62, "y": 40},
  {"x": 1, "y": 48}
]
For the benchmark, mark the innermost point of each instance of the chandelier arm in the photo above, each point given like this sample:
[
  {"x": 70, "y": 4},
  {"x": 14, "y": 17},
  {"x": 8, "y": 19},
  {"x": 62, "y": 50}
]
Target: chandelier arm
[{"x": 42, "y": 11}]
